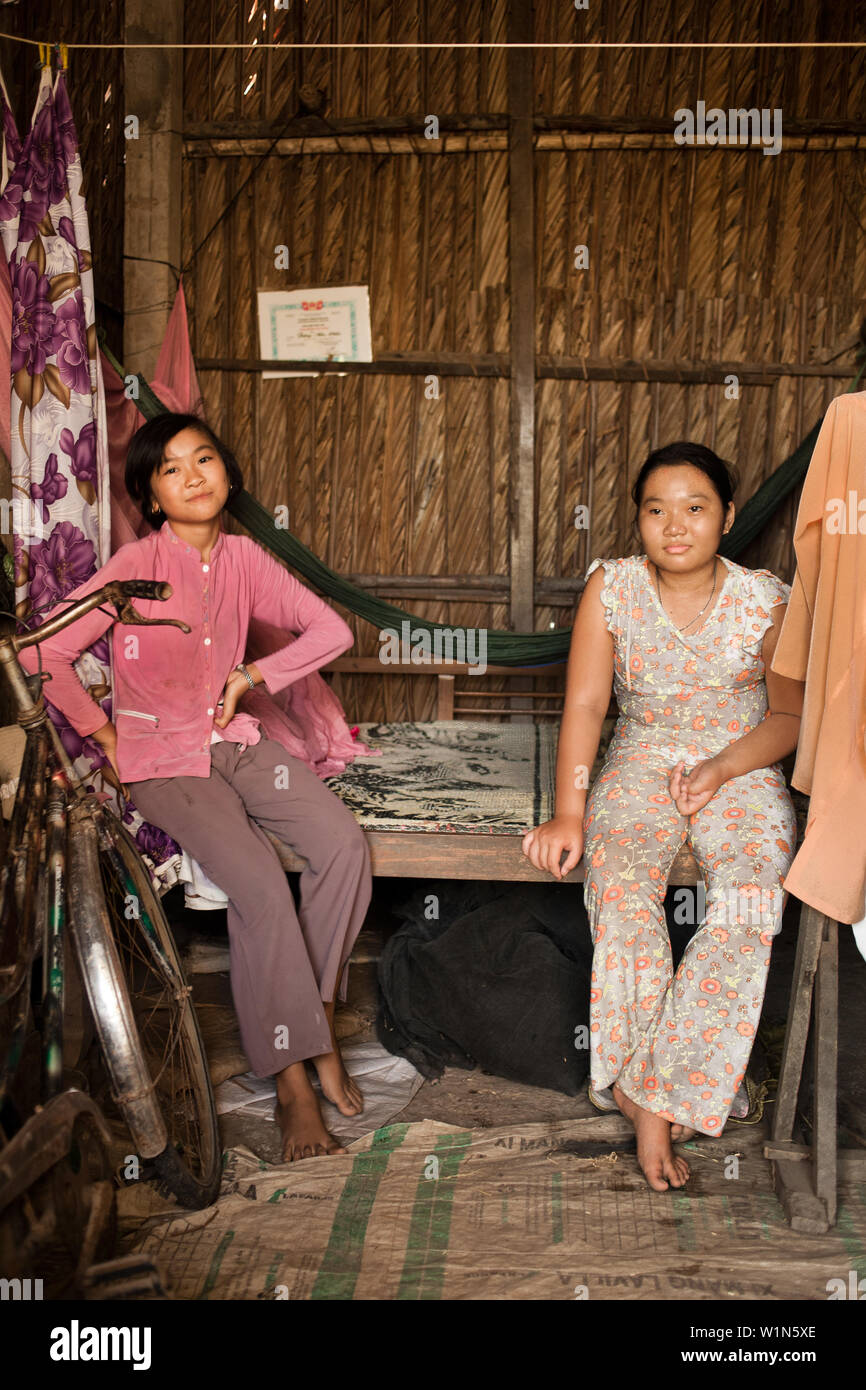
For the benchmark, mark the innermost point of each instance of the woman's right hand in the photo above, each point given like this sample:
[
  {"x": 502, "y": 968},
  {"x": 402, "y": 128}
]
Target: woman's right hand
[
  {"x": 106, "y": 737},
  {"x": 544, "y": 845}
]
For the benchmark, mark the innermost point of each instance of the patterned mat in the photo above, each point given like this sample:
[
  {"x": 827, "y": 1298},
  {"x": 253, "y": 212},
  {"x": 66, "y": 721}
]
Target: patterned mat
[
  {"x": 468, "y": 778},
  {"x": 452, "y": 775}
]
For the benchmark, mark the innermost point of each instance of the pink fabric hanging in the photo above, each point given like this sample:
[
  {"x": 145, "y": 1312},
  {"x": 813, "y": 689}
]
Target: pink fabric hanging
[{"x": 306, "y": 717}]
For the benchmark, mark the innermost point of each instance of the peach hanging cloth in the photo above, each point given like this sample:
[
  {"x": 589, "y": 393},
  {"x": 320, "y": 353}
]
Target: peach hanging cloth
[
  {"x": 306, "y": 717},
  {"x": 823, "y": 643}
]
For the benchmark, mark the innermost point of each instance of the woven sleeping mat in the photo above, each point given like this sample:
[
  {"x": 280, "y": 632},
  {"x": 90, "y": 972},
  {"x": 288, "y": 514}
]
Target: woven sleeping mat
[{"x": 476, "y": 778}]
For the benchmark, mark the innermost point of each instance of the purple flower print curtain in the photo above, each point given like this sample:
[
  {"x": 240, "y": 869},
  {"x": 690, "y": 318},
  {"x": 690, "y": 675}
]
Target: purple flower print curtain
[{"x": 59, "y": 458}]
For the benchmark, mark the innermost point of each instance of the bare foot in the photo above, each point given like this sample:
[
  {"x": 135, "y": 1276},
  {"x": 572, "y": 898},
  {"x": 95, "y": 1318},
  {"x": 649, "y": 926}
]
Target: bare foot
[
  {"x": 661, "y": 1167},
  {"x": 300, "y": 1119},
  {"x": 681, "y": 1134},
  {"x": 336, "y": 1083}
]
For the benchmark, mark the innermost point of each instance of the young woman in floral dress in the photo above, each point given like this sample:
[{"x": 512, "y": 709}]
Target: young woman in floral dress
[{"x": 687, "y": 639}]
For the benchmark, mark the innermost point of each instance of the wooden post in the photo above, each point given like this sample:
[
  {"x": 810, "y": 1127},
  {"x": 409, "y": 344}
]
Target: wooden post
[
  {"x": 153, "y": 81},
  {"x": 826, "y": 1065},
  {"x": 521, "y": 218},
  {"x": 794, "y": 1184}
]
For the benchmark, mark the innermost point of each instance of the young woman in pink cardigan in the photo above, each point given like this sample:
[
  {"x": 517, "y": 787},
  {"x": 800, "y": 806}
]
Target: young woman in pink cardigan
[{"x": 202, "y": 772}]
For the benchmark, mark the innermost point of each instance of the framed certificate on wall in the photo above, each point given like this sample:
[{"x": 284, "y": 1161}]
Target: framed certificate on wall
[{"x": 331, "y": 324}]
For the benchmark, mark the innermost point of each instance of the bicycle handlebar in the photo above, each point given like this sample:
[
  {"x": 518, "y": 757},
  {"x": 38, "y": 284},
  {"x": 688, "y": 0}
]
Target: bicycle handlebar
[
  {"x": 145, "y": 588},
  {"x": 119, "y": 593}
]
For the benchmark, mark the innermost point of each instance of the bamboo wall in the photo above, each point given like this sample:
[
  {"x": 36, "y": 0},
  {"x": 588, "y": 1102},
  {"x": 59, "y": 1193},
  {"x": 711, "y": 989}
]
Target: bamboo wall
[{"x": 697, "y": 256}]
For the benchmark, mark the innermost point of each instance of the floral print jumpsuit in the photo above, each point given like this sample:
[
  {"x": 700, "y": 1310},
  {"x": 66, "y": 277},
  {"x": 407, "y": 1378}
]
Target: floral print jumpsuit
[{"x": 678, "y": 1045}]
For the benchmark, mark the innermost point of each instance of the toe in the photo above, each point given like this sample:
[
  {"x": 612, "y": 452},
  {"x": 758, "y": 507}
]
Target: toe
[
  {"x": 654, "y": 1174},
  {"x": 678, "y": 1172}
]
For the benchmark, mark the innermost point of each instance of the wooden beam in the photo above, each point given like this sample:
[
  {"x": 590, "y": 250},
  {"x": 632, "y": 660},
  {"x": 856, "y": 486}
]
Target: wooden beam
[
  {"x": 153, "y": 93},
  {"x": 463, "y": 134},
  {"x": 306, "y": 127},
  {"x": 809, "y": 938},
  {"x": 489, "y": 142},
  {"x": 429, "y": 854},
  {"x": 300, "y": 127},
  {"x": 390, "y": 364},
  {"x": 499, "y": 365},
  {"x": 826, "y": 1050},
  {"x": 685, "y": 373},
  {"x": 850, "y": 1163},
  {"x": 480, "y": 583},
  {"x": 371, "y": 665},
  {"x": 521, "y": 237}
]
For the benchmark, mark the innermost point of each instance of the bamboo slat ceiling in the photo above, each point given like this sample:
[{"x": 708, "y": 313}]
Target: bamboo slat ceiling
[{"x": 695, "y": 256}]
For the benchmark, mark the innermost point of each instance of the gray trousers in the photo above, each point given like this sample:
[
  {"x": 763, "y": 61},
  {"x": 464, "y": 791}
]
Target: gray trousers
[{"x": 283, "y": 963}]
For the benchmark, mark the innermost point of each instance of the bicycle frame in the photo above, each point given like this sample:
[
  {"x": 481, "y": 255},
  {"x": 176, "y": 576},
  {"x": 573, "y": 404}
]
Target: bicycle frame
[{"x": 57, "y": 826}]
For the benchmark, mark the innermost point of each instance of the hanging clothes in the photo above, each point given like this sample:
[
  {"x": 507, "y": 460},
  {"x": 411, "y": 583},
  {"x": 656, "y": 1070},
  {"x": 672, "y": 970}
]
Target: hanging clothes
[
  {"x": 823, "y": 643},
  {"x": 56, "y": 405}
]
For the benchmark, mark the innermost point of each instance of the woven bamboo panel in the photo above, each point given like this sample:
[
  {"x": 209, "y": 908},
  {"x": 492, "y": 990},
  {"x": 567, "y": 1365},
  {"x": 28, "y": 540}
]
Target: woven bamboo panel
[
  {"x": 695, "y": 255},
  {"x": 823, "y": 83},
  {"x": 251, "y": 85}
]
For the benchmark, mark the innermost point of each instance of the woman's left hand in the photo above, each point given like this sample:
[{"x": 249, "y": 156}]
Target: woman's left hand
[{"x": 691, "y": 793}]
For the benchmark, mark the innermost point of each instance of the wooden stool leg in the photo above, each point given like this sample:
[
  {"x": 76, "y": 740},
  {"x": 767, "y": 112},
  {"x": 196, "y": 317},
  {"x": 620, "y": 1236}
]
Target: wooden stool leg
[
  {"x": 826, "y": 1048},
  {"x": 805, "y": 965}
]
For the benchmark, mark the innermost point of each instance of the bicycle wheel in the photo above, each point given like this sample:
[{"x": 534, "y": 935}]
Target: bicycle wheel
[
  {"x": 57, "y": 1200},
  {"x": 142, "y": 1008}
]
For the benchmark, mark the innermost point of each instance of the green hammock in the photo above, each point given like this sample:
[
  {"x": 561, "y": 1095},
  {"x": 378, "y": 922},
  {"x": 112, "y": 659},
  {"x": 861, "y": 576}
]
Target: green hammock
[{"x": 503, "y": 648}]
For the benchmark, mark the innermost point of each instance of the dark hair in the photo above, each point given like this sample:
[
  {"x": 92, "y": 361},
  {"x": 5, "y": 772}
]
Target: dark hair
[
  {"x": 722, "y": 475},
  {"x": 145, "y": 454}
]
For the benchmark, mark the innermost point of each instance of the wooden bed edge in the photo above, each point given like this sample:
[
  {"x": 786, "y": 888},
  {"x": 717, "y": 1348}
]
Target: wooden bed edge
[{"x": 430, "y": 854}]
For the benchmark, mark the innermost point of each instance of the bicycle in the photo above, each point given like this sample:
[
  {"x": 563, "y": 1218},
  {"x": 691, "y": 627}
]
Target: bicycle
[{"x": 71, "y": 863}]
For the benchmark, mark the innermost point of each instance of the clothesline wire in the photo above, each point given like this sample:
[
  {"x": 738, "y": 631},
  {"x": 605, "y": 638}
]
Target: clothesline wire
[{"x": 614, "y": 44}]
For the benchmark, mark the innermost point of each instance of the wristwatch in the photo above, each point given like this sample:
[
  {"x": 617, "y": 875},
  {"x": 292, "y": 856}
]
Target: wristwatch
[{"x": 244, "y": 672}]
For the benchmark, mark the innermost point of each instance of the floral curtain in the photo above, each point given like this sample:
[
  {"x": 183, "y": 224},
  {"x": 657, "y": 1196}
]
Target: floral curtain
[{"x": 59, "y": 460}]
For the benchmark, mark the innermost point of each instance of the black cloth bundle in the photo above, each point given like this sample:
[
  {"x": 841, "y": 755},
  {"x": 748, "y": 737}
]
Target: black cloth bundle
[{"x": 499, "y": 980}]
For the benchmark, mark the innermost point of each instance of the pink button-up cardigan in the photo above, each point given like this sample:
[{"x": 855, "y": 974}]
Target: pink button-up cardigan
[{"x": 166, "y": 683}]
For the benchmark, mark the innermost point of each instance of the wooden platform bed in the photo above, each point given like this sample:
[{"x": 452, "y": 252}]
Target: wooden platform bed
[{"x": 453, "y": 798}]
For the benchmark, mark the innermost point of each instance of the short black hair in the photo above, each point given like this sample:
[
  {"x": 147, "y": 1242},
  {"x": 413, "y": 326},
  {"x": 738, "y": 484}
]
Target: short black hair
[
  {"x": 722, "y": 475},
  {"x": 145, "y": 454}
]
